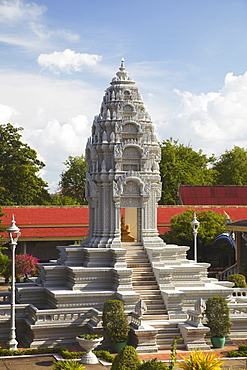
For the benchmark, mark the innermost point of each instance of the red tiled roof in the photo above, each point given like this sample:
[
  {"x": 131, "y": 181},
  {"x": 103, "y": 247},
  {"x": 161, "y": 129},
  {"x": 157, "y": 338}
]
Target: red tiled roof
[
  {"x": 37, "y": 215},
  {"x": 213, "y": 195},
  {"x": 54, "y": 223}
]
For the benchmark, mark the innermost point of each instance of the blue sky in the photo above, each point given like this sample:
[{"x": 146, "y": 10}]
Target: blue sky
[{"x": 188, "y": 58}]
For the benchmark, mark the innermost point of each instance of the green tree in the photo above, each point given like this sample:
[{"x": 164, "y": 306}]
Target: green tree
[
  {"x": 181, "y": 165},
  {"x": 231, "y": 167},
  {"x": 60, "y": 200},
  {"x": 72, "y": 182},
  {"x": 211, "y": 224},
  {"x": 19, "y": 180}
]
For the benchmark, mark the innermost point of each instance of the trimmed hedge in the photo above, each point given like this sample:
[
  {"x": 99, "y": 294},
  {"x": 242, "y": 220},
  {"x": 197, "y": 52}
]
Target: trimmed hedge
[
  {"x": 61, "y": 351},
  {"x": 241, "y": 352},
  {"x": 238, "y": 279}
]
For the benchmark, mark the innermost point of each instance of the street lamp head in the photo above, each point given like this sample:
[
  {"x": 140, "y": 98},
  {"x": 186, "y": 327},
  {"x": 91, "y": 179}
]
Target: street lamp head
[
  {"x": 13, "y": 230},
  {"x": 195, "y": 223}
]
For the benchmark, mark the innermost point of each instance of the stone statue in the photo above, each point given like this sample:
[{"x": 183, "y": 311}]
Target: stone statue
[
  {"x": 140, "y": 308},
  {"x": 200, "y": 306}
]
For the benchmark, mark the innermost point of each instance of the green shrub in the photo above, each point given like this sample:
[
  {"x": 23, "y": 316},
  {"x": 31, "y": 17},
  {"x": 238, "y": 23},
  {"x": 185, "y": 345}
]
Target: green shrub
[
  {"x": 241, "y": 352},
  {"x": 237, "y": 353},
  {"x": 105, "y": 355},
  {"x": 126, "y": 359},
  {"x": 115, "y": 321},
  {"x": 72, "y": 355},
  {"x": 217, "y": 314},
  {"x": 67, "y": 365},
  {"x": 242, "y": 347},
  {"x": 62, "y": 351},
  {"x": 238, "y": 279},
  {"x": 153, "y": 365}
]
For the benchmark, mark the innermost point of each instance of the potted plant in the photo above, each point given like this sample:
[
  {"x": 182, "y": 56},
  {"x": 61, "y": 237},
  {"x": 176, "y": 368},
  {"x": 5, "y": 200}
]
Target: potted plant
[
  {"x": 218, "y": 320},
  {"x": 115, "y": 324},
  {"x": 89, "y": 342}
]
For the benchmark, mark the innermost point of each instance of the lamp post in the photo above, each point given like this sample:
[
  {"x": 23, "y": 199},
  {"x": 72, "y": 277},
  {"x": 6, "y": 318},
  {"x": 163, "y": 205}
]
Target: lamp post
[
  {"x": 195, "y": 225},
  {"x": 14, "y": 233}
]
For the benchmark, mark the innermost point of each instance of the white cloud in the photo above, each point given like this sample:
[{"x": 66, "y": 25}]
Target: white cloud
[
  {"x": 56, "y": 115},
  {"x": 56, "y": 137},
  {"x": 7, "y": 114},
  {"x": 67, "y": 61},
  {"x": 14, "y": 11},
  {"x": 56, "y": 141},
  {"x": 23, "y": 24},
  {"x": 214, "y": 121}
]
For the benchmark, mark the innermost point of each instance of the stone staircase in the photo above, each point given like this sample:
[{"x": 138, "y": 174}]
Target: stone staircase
[{"x": 145, "y": 284}]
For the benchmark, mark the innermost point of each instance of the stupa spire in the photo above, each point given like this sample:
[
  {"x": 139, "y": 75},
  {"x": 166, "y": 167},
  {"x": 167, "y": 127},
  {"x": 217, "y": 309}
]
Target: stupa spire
[{"x": 122, "y": 68}]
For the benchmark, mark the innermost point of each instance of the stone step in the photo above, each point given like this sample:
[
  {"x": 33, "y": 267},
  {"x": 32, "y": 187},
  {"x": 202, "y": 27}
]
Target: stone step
[
  {"x": 146, "y": 288},
  {"x": 149, "y": 295},
  {"x": 169, "y": 334},
  {"x": 157, "y": 302},
  {"x": 161, "y": 327},
  {"x": 156, "y": 307},
  {"x": 156, "y": 311},
  {"x": 138, "y": 265},
  {"x": 141, "y": 273},
  {"x": 136, "y": 252},
  {"x": 144, "y": 282},
  {"x": 143, "y": 279},
  {"x": 136, "y": 261},
  {"x": 168, "y": 345},
  {"x": 141, "y": 270},
  {"x": 148, "y": 317}
]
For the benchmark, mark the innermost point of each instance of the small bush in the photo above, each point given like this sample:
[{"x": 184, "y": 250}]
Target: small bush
[
  {"x": 237, "y": 353},
  {"x": 126, "y": 359},
  {"x": 242, "y": 347},
  {"x": 67, "y": 365},
  {"x": 198, "y": 360},
  {"x": 238, "y": 279},
  {"x": 241, "y": 352},
  {"x": 153, "y": 365}
]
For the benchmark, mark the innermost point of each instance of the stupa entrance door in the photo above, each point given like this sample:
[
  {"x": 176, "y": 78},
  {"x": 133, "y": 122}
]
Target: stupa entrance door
[{"x": 130, "y": 232}]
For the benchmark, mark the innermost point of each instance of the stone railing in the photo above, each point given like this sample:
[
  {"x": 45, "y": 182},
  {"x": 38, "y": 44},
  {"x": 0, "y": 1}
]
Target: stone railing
[
  {"x": 194, "y": 318},
  {"x": 239, "y": 293},
  {"x": 134, "y": 319},
  {"x": 238, "y": 309},
  {"x": 95, "y": 317},
  {"x": 51, "y": 315},
  {"x": 22, "y": 311}
]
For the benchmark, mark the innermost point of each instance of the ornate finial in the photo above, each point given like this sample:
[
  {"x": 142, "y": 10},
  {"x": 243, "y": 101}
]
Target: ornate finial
[
  {"x": 13, "y": 228},
  {"x": 122, "y": 68}
]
